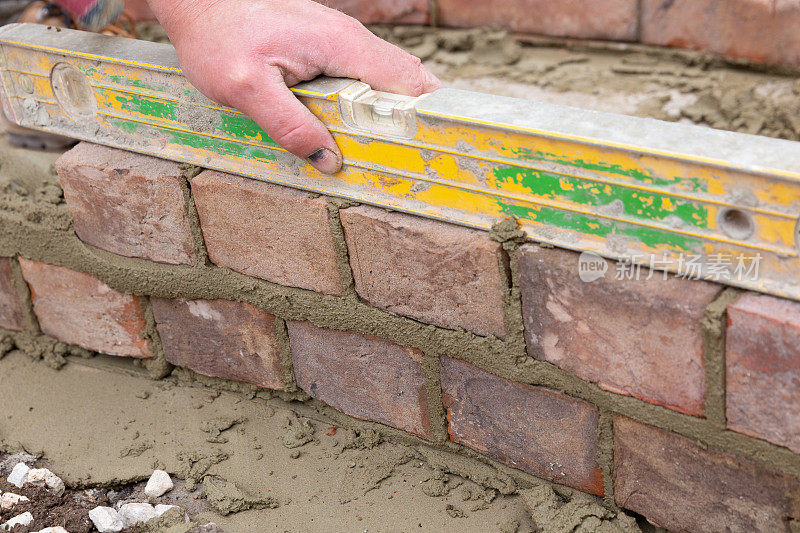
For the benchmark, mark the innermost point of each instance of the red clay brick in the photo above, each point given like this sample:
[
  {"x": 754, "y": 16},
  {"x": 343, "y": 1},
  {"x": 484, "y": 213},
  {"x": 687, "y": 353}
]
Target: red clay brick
[
  {"x": 10, "y": 313},
  {"x": 383, "y": 11},
  {"x": 362, "y": 376},
  {"x": 538, "y": 430},
  {"x": 126, "y": 203},
  {"x": 682, "y": 486},
  {"x": 641, "y": 338},
  {"x": 759, "y": 30},
  {"x": 275, "y": 233},
  {"x": 587, "y": 19},
  {"x": 763, "y": 369},
  {"x": 221, "y": 338},
  {"x": 77, "y": 308},
  {"x": 432, "y": 271}
]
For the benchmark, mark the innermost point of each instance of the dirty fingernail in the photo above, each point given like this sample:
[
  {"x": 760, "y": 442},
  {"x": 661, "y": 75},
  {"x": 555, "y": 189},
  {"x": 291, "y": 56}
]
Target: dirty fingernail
[{"x": 326, "y": 161}]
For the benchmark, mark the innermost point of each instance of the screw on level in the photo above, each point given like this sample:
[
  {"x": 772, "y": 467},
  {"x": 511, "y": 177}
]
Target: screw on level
[{"x": 26, "y": 83}]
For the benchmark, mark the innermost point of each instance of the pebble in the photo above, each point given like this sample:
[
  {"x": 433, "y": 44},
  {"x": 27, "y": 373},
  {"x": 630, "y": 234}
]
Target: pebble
[
  {"x": 42, "y": 477},
  {"x": 17, "y": 475},
  {"x": 106, "y": 520},
  {"x": 163, "y": 508},
  {"x": 55, "y": 529},
  {"x": 158, "y": 484},
  {"x": 20, "y": 520},
  {"x": 134, "y": 513},
  {"x": 9, "y": 500}
]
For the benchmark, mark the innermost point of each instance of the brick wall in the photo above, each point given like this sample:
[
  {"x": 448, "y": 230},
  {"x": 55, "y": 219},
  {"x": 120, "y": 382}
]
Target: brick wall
[
  {"x": 764, "y": 31},
  {"x": 672, "y": 398}
]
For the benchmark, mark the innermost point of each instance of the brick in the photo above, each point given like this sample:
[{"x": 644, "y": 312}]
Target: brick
[
  {"x": 221, "y": 338},
  {"x": 271, "y": 232},
  {"x": 10, "y": 312},
  {"x": 586, "y": 19},
  {"x": 128, "y": 204},
  {"x": 363, "y": 376},
  {"x": 535, "y": 429},
  {"x": 762, "y": 355},
  {"x": 384, "y": 11},
  {"x": 432, "y": 271},
  {"x": 759, "y": 30},
  {"x": 641, "y": 338},
  {"x": 79, "y": 309},
  {"x": 682, "y": 486}
]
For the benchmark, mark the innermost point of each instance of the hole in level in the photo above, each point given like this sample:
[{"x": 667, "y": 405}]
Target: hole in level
[{"x": 736, "y": 223}]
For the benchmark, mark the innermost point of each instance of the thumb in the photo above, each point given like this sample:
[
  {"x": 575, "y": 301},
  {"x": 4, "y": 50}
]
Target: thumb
[{"x": 289, "y": 123}]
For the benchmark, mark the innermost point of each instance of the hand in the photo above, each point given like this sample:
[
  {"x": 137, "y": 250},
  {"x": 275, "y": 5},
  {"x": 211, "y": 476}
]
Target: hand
[{"x": 246, "y": 53}]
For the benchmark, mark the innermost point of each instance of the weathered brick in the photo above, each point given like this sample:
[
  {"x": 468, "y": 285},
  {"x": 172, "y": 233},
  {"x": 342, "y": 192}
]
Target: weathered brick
[
  {"x": 384, "y": 11},
  {"x": 759, "y": 30},
  {"x": 586, "y": 19},
  {"x": 275, "y": 233},
  {"x": 432, "y": 271},
  {"x": 126, "y": 203},
  {"x": 362, "y": 376},
  {"x": 535, "y": 429},
  {"x": 762, "y": 354},
  {"x": 77, "y": 308},
  {"x": 10, "y": 312},
  {"x": 221, "y": 338},
  {"x": 641, "y": 338},
  {"x": 682, "y": 486}
]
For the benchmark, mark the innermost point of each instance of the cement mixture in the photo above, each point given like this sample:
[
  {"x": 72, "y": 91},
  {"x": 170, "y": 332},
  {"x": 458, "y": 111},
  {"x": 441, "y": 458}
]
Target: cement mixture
[{"x": 252, "y": 462}]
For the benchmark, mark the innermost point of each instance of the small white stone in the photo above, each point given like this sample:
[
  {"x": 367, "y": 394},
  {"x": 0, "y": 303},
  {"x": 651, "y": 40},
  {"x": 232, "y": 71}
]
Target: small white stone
[
  {"x": 17, "y": 475},
  {"x": 134, "y": 513},
  {"x": 158, "y": 484},
  {"x": 9, "y": 500},
  {"x": 55, "y": 529},
  {"x": 106, "y": 520},
  {"x": 163, "y": 508},
  {"x": 42, "y": 477},
  {"x": 20, "y": 520}
]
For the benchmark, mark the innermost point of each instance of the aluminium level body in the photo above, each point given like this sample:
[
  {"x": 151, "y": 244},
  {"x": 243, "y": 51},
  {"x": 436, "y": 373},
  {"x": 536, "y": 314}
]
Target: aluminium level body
[{"x": 683, "y": 198}]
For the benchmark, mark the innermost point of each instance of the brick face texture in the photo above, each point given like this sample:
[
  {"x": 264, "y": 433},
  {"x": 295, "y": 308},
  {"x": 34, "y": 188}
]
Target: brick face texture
[
  {"x": 760, "y": 30},
  {"x": 362, "y": 376},
  {"x": 640, "y": 338},
  {"x": 763, "y": 369},
  {"x": 535, "y": 429},
  {"x": 432, "y": 271},
  {"x": 383, "y": 11},
  {"x": 10, "y": 312},
  {"x": 588, "y": 19},
  {"x": 275, "y": 233},
  {"x": 681, "y": 486},
  {"x": 220, "y": 338},
  {"x": 127, "y": 203},
  {"x": 77, "y": 308}
]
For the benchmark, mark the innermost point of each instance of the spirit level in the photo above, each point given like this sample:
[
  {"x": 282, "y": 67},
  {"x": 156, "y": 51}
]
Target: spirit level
[{"x": 678, "y": 197}]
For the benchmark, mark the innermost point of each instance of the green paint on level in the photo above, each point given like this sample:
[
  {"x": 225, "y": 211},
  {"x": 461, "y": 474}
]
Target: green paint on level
[
  {"x": 243, "y": 127},
  {"x": 149, "y": 107},
  {"x": 130, "y": 82},
  {"x": 602, "y": 228},
  {"x": 632, "y": 202},
  {"x": 691, "y": 184},
  {"x": 197, "y": 141}
]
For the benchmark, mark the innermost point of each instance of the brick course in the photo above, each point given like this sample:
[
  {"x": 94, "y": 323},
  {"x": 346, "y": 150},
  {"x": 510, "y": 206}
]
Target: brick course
[
  {"x": 275, "y": 233},
  {"x": 77, "y": 308},
  {"x": 434, "y": 272},
  {"x": 128, "y": 204},
  {"x": 759, "y": 30},
  {"x": 642, "y": 338},
  {"x": 221, "y": 338},
  {"x": 362, "y": 376},
  {"x": 384, "y": 11},
  {"x": 535, "y": 429},
  {"x": 679, "y": 485},
  {"x": 762, "y": 355},
  {"x": 586, "y": 19},
  {"x": 10, "y": 313}
]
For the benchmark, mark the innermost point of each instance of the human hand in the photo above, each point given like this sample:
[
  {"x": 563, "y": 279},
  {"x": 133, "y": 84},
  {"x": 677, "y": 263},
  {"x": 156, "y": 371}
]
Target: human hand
[{"x": 246, "y": 53}]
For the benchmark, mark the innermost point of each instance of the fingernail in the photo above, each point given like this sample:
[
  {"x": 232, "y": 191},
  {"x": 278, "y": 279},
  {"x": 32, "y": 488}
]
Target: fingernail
[{"x": 325, "y": 161}]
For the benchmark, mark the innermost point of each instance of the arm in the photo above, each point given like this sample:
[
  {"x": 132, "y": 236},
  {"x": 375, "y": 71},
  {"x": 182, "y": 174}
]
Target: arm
[{"x": 246, "y": 53}]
